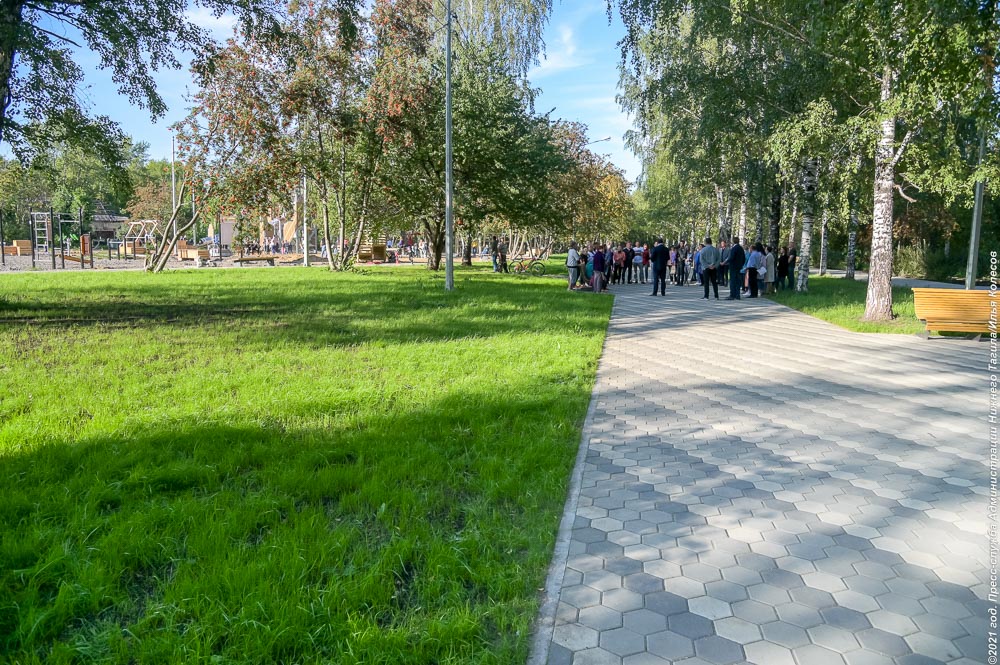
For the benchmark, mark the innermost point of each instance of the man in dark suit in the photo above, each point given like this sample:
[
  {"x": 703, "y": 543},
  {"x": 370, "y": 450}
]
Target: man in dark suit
[
  {"x": 737, "y": 257},
  {"x": 659, "y": 257}
]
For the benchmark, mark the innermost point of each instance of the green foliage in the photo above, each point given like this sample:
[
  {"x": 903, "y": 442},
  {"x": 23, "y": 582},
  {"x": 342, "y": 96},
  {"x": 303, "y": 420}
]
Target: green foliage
[{"x": 277, "y": 466}]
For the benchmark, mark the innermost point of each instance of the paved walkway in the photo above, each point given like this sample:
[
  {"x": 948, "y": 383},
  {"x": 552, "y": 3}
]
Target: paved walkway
[{"x": 756, "y": 485}]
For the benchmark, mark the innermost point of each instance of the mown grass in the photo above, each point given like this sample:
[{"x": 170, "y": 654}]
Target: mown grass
[
  {"x": 283, "y": 466},
  {"x": 842, "y": 302}
]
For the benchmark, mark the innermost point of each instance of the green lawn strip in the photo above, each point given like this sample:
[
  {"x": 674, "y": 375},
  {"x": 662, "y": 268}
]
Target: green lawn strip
[
  {"x": 842, "y": 302},
  {"x": 268, "y": 466}
]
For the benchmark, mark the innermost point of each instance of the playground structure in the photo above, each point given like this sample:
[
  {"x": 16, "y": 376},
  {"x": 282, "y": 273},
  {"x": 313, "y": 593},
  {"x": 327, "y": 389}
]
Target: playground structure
[
  {"x": 46, "y": 228},
  {"x": 139, "y": 237}
]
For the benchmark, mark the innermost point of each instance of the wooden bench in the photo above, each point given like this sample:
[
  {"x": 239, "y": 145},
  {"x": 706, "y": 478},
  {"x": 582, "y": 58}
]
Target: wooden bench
[
  {"x": 22, "y": 247},
  {"x": 254, "y": 259},
  {"x": 953, "y": 310},
  {"x": 193, "y": 254}
]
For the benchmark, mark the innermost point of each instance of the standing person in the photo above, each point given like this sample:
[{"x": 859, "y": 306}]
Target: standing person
[
  {"x": 737, "y": 257},
  {"x": 769, "y": 277},
  {"x": 629, "y": 260},
  {"x": 724, "y": 250},
  {"x": 609, "y": 263},
  {"x": 619, "y": 274},
  {"x": 754, "y": 264},
  {"x": 697, "y": 263},
  {"x": 573, "y": 265},
  {"x": 645, "y": 263},
  {"x": 682, "y": 260},
  {"x": 793, "y": 257},
  {"x": 495, "y": 253},
  {"x": 599, "y": 266},
  {"x": 659, "y": 257},
  {"x": 672, "y": 263},
  {"x": 502, "y": 254},
  {"x": 782, "y": 275},
  {"x": 637, "y": 264},
  {"x": 710, "y": 258}
]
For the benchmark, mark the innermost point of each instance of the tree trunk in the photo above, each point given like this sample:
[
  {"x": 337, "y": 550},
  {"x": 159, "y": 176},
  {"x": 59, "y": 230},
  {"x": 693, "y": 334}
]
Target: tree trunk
[
  {"x": 744, "y": 200},
  {"x": 467, "y": 254},
  {"x": 808, "y": 204},
  {"x": 878, "y": 306},
  {"x": 774, "y": 237},
  {"x": 435, "y": 241},
  {"x": 720, "y": 209},
  {"x": 10, "y": 21},
  {"x": 824, "y": 243},
  {"x": 852, "y": 233},
  {"x": 793, "y": 221},
  {"x": 326, "y": 227}
]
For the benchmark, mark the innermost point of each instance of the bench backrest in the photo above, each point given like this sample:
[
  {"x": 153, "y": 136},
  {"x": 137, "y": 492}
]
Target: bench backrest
[
  {"x": 951, "y": 305},
  {"x": 23, "y": 244}
]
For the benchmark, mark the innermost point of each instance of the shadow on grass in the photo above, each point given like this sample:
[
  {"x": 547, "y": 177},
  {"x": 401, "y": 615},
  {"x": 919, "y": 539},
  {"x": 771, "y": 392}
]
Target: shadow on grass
[
  {"x": 303, "y": 306},
  {"x": 416, "y": 537}
]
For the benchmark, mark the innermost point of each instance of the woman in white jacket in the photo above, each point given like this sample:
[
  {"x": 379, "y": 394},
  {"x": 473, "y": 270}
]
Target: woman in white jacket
[{"x": 769, "y": 278}]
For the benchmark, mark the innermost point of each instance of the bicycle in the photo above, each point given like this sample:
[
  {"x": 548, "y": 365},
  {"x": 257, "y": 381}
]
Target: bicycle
[{"x": 527, "y": 265}]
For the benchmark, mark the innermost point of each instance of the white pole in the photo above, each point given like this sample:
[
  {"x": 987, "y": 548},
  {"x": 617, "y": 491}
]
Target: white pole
[
  {"x": 971, "y": 267},
  {"x": 173, "y": 185},
  {"x": 449, "y": 265},
  {"x": 305, "y": 224}
]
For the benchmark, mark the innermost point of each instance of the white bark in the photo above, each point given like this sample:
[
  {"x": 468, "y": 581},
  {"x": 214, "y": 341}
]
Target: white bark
[
  {"x": 808, "y": 204},
  {"x": 824, "y": 246},
  {"x": 878, "y": 306},
  {"x": 852, "y": 235}
]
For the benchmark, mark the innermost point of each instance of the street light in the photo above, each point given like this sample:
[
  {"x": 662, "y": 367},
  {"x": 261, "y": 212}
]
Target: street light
[{"x": 606, "y": 138}]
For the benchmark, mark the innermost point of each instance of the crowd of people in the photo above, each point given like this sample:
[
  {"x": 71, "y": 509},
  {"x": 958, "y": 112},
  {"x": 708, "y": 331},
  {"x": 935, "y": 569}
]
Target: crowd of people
[{"x": 749, "y": 271}]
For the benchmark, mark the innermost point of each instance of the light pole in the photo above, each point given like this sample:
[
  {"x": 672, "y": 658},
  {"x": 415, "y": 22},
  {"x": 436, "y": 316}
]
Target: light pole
[{"x": 449, "y": 185}]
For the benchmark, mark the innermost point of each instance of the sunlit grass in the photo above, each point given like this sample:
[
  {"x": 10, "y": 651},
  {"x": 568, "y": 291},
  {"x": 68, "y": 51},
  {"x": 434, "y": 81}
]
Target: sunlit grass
[
  {"x": 842, "y": 302},
  {"x": 264, "y": 466}
]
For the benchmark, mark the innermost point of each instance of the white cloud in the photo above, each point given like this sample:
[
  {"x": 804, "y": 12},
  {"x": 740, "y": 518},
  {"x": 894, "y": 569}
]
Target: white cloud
[
  {"x": 560, "y": 57},
  {"x": 221, "y": 27}
]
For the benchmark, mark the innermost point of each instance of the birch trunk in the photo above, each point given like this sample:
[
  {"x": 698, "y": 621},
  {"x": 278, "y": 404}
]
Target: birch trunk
[
  {"x": 808, "y": 204},
  {"x": 744, "y": 197},
  {"x": 720, "y": 208},
  {"x": 10, "y": 20},
  {"x": 878, "y": 306},
  {"x": 852, "y": 234},
  {"x": 824, "y": 243},
  {"x": 774, "y": 237},
  {"x": 326, "y": 226}
]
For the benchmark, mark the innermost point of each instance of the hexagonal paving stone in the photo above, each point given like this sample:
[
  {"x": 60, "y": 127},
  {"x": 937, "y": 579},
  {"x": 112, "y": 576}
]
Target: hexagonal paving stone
[
  {"x": 580, "y": 596},
  {"x": 754, "y": 612},
  {"x": 644, "y": 621},
  {"x": 622, "y": 600},
  {"x": 596, "y": 656},
  {"x": 670, "y": 645},
  {"x": 600, "y": 618},
  {"x": 835, "y": 639},
  {"x": 814, "y": 598},
  {"x": 622, "y": 641},
  {"x": 799, "y": 615},
  {"x": 933, "y": 646},
  {"x": 715, "y": 649},
  {"x": 575, "y": 637},
  {"x": 817, "y": 655},
  {"x": 768, "y": 653},
  {"x": 662, "y": 569},
  {"x": 737, "y": 630},
  {"x": 846, "y": 618},
  {"x": 690, "y": 625},
  {"x": 768, "y": 594},
  {"x": 785, "y": 634},
  {"x": 666, "y": 604},
  {"x": 602, "y": 580},
  {"x": 642, "y": 583},
  {"x": 710, "y": 608},
  {"x": 883, "y": 642},
  {"x": 645, "y": 658},
  {"x": 727, "y": 591},
  {"x": 684, "y": 587}
]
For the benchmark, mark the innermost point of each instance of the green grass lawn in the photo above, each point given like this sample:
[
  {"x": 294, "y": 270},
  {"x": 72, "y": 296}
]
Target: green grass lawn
[
  {"x": 842, "y": 302},
  {"x": 283, "y": 466}
]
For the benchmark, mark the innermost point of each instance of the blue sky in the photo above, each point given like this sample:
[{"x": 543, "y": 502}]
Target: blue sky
[{"x": 578, "y": 77}]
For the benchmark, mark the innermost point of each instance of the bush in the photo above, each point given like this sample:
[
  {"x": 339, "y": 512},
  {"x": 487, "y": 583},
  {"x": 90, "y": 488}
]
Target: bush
[{"x": 912, "y": 261}]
